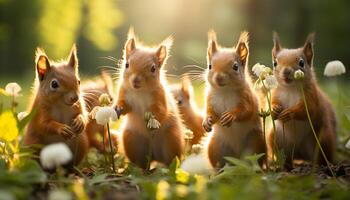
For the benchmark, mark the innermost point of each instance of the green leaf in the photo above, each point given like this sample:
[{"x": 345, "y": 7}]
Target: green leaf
[
  {"x": 174, "y": 165},
  {"x": 25, "y": 121}
]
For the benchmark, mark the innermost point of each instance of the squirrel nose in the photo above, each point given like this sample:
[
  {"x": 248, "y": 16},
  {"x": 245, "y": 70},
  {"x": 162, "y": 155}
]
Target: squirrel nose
[
  {"x": 287, "y": 72},
  {"x": 74, "y": 98}
]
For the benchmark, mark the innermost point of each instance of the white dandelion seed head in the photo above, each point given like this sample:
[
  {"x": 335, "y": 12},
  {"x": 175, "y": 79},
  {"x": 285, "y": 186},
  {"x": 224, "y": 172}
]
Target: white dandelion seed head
[
  {"x": 13, "y": 89},
  {"x": 104, "y": 115},
  {"x": 258, "y": 69},
  {"x": 298, "y": 75},
  {"x": 196, "y": 164},
  {"x": 347, "y": 145},
  {"x": 21, "y": 115},
  {"x": 54, "y": 155},
  {"x": 334, "y": 68},
  {"x": 270, "y": 82}
]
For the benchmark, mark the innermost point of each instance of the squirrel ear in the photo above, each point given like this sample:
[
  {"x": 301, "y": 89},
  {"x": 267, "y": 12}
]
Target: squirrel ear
[
  {"x": 212, "y": 45},
  {"x": 308, "y": 48},
  {"x": 130, "y": 45},
  {"x": 73, "y": 59},
  {"x": 161, "y": 54},
  {"x": 42, "y": 63},
  {"x": 276, "y": 45},
  {"x": 186, "y": 86},
  {"x": 242, "y": 47}
]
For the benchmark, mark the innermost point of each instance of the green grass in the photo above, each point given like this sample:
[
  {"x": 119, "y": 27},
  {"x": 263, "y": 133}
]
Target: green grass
[{"x": 243, "y": 181}]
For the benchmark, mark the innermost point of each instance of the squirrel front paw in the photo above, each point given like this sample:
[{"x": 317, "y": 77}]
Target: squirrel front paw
[
  {"x": 276, "y": 111},
  {"x": 207, "y": 124},
  {"x": 119, "y": 110},
  {"x": 227, "y": 119},
  {"x": 285, "y": 115},
  {"x": 66, "y": 132},
  {"x": 78, "y": 124}
]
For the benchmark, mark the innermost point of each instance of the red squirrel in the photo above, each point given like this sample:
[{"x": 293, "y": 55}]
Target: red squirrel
[
  {"x": 231, "y": 105},
  {"x": 293, "y": 131},
  {"x": 60, "y": 113},
  {"x": 142, "y": 89},
  {"x": 191, "y": 116},
  {"x": 92, "y": 90}
]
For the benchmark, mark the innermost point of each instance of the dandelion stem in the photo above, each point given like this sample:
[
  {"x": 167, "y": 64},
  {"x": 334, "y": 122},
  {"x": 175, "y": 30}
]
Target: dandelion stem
[
  {"x": 111, "y": 147},
  {"x": 313, "y": 131}
]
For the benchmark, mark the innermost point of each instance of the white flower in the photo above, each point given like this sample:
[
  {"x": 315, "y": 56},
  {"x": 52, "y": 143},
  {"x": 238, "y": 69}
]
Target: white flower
[
  {"x": 270, "y": 82},
  {"x": 104, "y": 115},
  {"x": 13, "y": 89},
  {"x": 334, "y": 68},
  {"x": 153, "y": 123},
  {"x": 298, "y": 75},
  {"x": 54, "y": 155},
  {"x": 347, "y": 145},
  {"x": 258, "y": 69},
  {"x": 59, "y": 194},
  {"x": 21, "y": 115},
  {"x": 196, "y": 164}
]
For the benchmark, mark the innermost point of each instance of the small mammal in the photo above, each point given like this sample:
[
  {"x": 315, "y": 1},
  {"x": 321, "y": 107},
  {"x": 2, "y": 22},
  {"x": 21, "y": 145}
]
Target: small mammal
[
  {"x": 91, "y": 91},
  {"x": 142, "y": 89},
  {"x": 293, "y": 131},
  {"x": 231, "y": 105},
  {"x": 60, "y": 115},
  {"x": 191, "y": 116}
]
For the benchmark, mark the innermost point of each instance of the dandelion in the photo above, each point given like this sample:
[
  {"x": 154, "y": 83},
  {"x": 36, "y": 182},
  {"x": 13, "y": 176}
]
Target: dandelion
[
  {"x": 8, "y": 126},
  {"x": 162, "y": 190},
  {"x": 334, "y": 68},
  {"x": 298, "y": 75},
  {"x": 151, "y": 121},
  {"x": 55, "y": 155},
  {"x": 181, "y": 191},
  {"x": 270, "y": 82},
  {"x": 13, "y": 89},
  {"x": 104, "y": 100},
  {"x": 104, "y": 115},
  {"x": 21, "y": 115},
  {"x": 347, "y": 145},
  {"x": 258, "y": 69}
]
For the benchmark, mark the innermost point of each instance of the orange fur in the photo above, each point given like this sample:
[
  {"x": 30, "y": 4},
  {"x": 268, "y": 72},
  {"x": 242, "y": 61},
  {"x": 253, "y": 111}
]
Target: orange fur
[
  {"x": 231, "y": 105},
  {"x": 293, "y": 132},
  {"x": 142, "y": 89},
  {"x": 60, "y": 113}
]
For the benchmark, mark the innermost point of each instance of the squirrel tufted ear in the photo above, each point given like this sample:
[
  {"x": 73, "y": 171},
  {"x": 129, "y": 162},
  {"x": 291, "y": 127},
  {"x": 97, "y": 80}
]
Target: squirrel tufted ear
[
  {"x": 42, "y": 63},
  {"x": 276, "y": 45},
  {"x": 161, "y": 54},
  {"x": 73, "y": 58},
  {"x": 130, "y": 46},
  {"x": 242, "y": 47},
  {"x": 186, "y": 86},
  {"x": 212, "y": 45},
  {"x": 309, "y": 49}
]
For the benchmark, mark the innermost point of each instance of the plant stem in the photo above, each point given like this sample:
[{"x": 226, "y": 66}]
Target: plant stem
[
  {"x": 111, "y": 147},
  {"x": 264, "y": 133},
  {"x": 314, "y": 132}
]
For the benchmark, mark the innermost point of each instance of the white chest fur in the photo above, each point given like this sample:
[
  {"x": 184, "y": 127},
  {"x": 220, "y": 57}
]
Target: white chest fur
[
  {"x": 62, "y": 114},
  {"x": 223, "y": 100},
  {"x": 140, "y": 101},
  {"x": 289, "y": 97}
]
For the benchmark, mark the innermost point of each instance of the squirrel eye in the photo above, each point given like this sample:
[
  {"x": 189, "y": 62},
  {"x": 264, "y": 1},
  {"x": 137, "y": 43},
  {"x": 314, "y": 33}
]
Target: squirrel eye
[
  {"x": 153, "y": 68},
  {"x": 54, "y": 84},
  {"x": 78, "y": 82},
  {"x": 235, "y": 66},
  {"x": 126, "y": 65},
  {"x": 274, "y": 63},
  {"x": 209, "y": 66},
  {"x": 301, "y": 63}
]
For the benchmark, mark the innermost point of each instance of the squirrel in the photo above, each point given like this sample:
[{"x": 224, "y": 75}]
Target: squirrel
[
  {"x": 91, "y": 91},
  {"x": 293, "y": 132},
  {"x": 142, "y": 89},
  {"x": 192, "y": 118},
  {"x": 231, "y": 105},
  {"x": 60, "y": 114}
]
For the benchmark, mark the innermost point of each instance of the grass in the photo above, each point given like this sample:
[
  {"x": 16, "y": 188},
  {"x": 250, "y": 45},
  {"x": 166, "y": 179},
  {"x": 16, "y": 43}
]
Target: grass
[{"x": 93, "y": 178}]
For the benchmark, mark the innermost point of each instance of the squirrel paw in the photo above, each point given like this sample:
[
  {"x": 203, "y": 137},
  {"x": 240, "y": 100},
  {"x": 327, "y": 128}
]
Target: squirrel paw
[
  {"x": 227, "y": 119},
  {"x": 78, "y": 124},
  {"x": 285, "y": 115},
  {"x": 276, "y": 111},
  {"x": 66, "y": 132},
  {"x": 207, "y": 124}
]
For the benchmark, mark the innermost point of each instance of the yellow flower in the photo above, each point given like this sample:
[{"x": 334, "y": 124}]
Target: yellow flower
[
  {"x": 162, "y": 190},
  {"x": 8, "y": 127}
]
